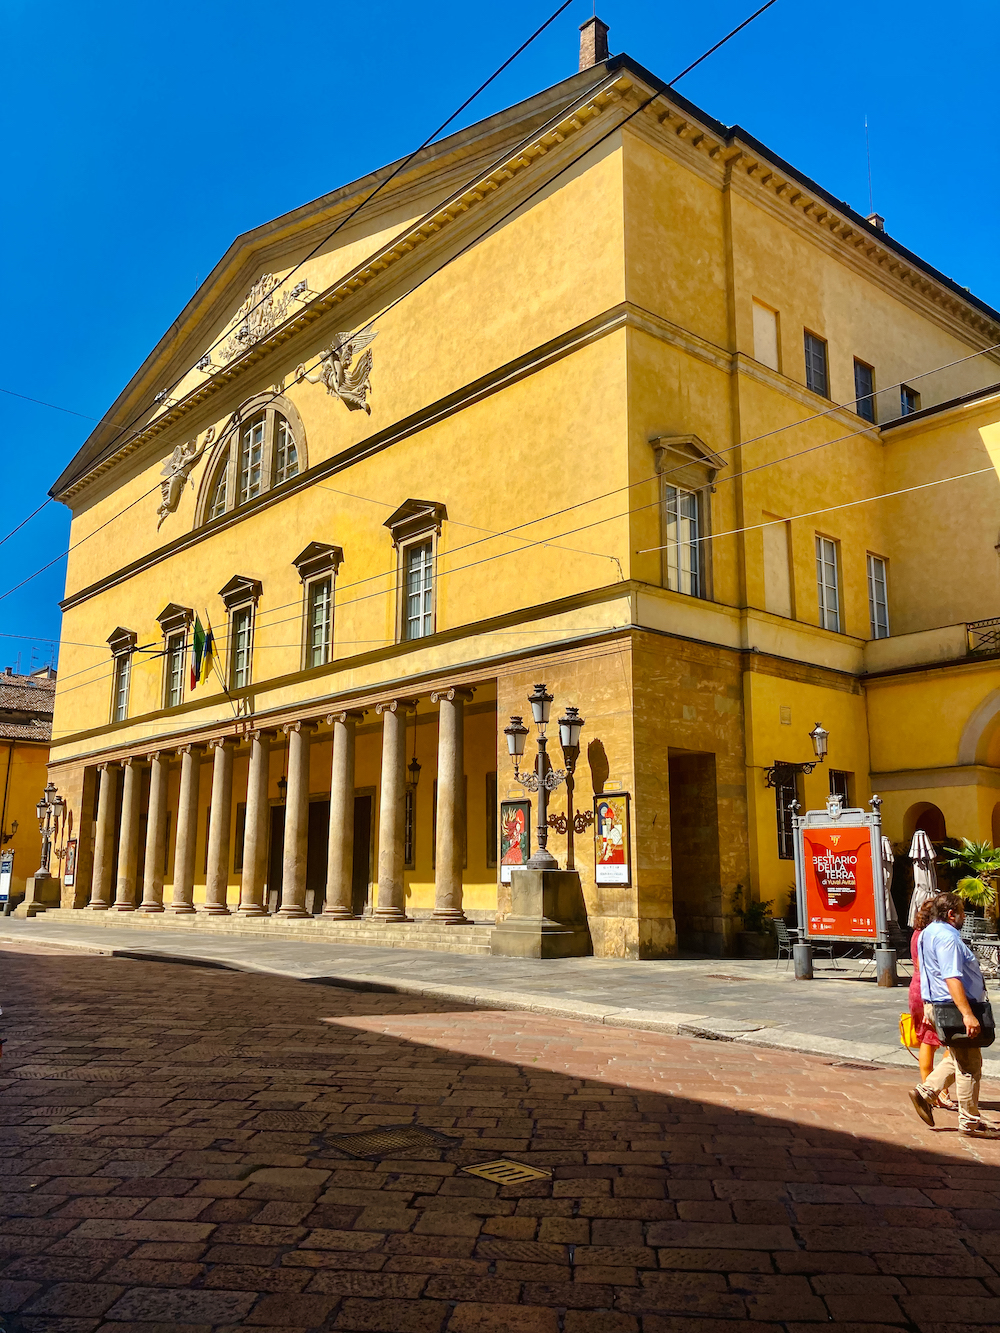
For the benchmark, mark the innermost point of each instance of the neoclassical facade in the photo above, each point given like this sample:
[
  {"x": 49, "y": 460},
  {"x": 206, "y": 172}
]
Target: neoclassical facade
[{"x": 624, "y": 405}]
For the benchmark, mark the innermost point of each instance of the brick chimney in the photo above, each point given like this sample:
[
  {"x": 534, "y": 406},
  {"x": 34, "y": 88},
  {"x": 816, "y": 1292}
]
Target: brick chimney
[{"x": 593, "y": 42}]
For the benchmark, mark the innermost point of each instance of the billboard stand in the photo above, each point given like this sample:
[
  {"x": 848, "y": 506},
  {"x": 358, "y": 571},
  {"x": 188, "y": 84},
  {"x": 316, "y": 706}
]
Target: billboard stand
[{"x": 839, "y": 887}]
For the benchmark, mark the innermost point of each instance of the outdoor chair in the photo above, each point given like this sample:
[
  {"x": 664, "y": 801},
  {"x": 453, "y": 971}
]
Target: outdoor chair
[{"x": 787, "y": 939}]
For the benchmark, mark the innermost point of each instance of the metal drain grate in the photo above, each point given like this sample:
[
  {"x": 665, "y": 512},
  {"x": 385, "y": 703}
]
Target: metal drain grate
[
  {"x": 376, "y": 1143},
  {"x": 505, "y": 1172},
  {"x": 844, "y": 1064}
]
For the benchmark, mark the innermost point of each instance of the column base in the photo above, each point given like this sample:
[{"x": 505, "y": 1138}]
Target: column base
[
  {"x": 254, "y": 909},
  {"x": 391, "y": 914},
  {"x": 340, "y": 913},
  {"x": 182, "y": 909},
  {"x": 449, "y": 916},
  {"x": 215, "y": 909},
  {"x": 150, "y": 908},
  {"x": 295, "y": 913},
  {"x": 98, "y": 907},
  {"x": 124, "y": 907}
]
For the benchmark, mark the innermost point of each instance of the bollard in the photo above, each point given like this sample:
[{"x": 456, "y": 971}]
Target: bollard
[
  {"x": 885, "y": 967},
  {"x": 803, "y": 958}
]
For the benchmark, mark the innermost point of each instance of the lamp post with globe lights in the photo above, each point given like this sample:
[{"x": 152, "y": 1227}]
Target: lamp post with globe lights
[
  {"x": 545, "y": 778},
  {"x": 49, "y": 809}
]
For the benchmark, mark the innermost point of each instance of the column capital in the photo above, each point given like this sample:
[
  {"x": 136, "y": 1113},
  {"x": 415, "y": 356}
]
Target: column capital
[
  {"x": 464, "y": 692},
  {"x": 108, "y": 763},
  {"x": 396, "y": 705},
  {"x": 150, "y": 755},
  {"x": 220, "y": 742},
  {"x": 305, "y": 724},
  {"x": 356, "y": 713},
  {"x": 131, "y": 759},
  {"x": 192, "y": 748},
  {"x": 256, "y": 733}
]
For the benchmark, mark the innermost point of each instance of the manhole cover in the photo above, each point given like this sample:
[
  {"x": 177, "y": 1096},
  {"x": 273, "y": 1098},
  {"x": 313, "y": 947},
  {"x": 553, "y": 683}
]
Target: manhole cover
[
  {"x": 504, "y": 1172},
  {"x": 383, "y": 1142},
  {"x": 723, "y": 976}
]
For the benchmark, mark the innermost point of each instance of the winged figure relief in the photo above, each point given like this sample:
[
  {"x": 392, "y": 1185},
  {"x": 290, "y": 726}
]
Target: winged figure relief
[
  {"x": 176, "y": 471},
  {"x": 345, "y": 379}
]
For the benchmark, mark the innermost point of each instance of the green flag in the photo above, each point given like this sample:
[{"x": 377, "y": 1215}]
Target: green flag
[{"x": 197, "y": 651}]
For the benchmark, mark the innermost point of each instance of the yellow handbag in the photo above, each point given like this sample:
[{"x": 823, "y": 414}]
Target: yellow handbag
[{"x": 907, "y": 1032}]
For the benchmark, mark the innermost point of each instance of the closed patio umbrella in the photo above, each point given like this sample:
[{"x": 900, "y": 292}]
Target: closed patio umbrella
[
  {"x": 887, "y": 863},
  {"x": 925, "y": 884}
]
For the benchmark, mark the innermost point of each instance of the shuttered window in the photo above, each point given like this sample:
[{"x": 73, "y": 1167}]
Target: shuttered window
[{"x": 817, "y": 378}]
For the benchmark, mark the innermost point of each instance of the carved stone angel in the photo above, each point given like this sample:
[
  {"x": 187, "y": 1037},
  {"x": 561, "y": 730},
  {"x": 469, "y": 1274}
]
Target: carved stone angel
[
  {"x": 176, "y": 472},
  {"x": 344, "y": 379}
]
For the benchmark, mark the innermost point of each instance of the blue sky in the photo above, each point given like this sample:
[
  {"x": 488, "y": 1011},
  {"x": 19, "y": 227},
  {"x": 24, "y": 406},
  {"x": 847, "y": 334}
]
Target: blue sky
[{"x": 140, "y": 139}]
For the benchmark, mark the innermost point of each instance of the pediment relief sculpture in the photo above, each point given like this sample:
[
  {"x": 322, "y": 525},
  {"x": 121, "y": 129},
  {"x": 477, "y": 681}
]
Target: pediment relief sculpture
[
  {"x": 345, "y": 380},
  {"x": 264, "y": 308},
  {"x": 176, "y": 472}
]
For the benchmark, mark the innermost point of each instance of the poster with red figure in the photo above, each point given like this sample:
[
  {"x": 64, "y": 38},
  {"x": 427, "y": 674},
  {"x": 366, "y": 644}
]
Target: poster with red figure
[
  {"x": 515, "y": 836},
  {"x": 611, "y": 839},
  {"x": 839, "y": 882}
]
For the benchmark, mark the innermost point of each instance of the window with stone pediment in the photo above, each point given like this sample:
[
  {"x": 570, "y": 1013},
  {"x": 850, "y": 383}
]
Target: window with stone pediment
[{"x": 262, "y": 446}]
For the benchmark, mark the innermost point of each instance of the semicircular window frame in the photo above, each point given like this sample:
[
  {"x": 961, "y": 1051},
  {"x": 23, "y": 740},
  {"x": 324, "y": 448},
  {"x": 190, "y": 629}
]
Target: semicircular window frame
[{"x": 262, "y": 447}]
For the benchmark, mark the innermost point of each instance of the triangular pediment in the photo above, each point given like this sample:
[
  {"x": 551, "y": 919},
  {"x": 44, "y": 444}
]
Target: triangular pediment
[
  {"x": 415, "y": 516},
  {"x": 318, "y": 558},
  {"x": 240, "y": 589}
]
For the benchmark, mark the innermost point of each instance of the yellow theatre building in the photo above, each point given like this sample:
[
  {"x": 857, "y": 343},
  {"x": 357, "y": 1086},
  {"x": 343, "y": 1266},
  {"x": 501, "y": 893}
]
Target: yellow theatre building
[{"x": 600, "y": 393}]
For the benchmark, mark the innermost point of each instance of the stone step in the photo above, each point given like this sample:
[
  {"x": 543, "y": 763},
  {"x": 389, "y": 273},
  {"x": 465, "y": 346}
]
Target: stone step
[{"x": 429, "y": 935}]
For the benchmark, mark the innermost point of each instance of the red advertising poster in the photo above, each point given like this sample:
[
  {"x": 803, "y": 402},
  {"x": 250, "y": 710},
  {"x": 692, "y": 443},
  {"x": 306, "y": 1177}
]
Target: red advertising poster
[{"x": 840, "y": 883}]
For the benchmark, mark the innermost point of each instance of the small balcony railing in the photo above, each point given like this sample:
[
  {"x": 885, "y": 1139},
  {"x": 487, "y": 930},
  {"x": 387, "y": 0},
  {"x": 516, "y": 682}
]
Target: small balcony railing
[{"x": 984, "y": 636}]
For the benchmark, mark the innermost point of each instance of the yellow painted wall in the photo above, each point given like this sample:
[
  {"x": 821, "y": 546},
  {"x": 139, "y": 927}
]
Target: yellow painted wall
[{"x": 23, "y": 771}]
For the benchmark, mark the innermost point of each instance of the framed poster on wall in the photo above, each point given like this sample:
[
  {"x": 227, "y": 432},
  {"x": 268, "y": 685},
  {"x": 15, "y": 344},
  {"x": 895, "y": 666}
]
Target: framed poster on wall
[
  {"x": 515, "y": 836},
  {"x": 612, "y": 851},
  {"x": 69, "y": 874}
]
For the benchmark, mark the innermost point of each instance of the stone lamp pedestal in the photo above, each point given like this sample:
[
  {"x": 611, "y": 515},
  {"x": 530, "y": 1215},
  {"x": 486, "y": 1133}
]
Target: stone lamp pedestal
[
  {"x": 548, "y": 917},
  {"x": 40, "y": 891}
]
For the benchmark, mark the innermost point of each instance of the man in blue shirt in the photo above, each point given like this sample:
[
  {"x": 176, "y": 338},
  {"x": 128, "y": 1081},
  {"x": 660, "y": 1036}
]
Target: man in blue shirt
[{"x": 950, "y": 974}]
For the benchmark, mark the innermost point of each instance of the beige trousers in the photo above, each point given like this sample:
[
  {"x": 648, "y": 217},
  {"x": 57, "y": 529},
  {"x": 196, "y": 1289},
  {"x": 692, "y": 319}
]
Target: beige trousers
[{"x": 963, "y": 1066}]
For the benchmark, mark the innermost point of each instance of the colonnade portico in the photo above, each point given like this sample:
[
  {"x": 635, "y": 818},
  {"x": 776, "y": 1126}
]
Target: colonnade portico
[{"x": 182, "y": 769}]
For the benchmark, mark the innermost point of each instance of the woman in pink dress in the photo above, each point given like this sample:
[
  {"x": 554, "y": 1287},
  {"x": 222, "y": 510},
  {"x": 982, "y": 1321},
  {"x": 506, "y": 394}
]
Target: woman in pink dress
[{"x": 926, "y": 1034}]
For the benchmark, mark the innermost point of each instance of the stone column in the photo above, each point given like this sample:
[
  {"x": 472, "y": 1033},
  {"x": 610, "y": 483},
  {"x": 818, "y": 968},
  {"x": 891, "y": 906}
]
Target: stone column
[
  {"x": 104, "y": 841},
  {"x": 293, "y": 871},
  {"x": 217, "y": 879},
  {"x": 187, "y": 830},
  {"x": 449, "y": 852},
  {"x": 392, "y": 810},
  {"x": 128, "y": 838},
  {"x": 256, "y": 827},
  {"x": 340, "y": 849},
  {"x": 156, "y": 834}
]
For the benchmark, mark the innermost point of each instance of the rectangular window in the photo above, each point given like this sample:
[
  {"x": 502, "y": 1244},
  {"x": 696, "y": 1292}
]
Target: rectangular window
[
  {"x": 120, "y": 689},
  {"x": 864, "y": 390},
  {"x": 786, "y": 795},
  {"x": 777, "y": 566},
  {"x": 319, "y": 626},
  {"x": 878, "y": 601},
  {"x": 816, "y": 370},
  {"x": 909, "y": 401},
  {"x": 765, "y": 335},
  {"x": 239, "y": 835},
  {"x": 827, "y": 583},
  {"x": 410, "y": 827},
  {"x": 683, "y": 556},
  {"x": 840, "y": 785},
  {"x": 251, "y": 461},
  {"x": 241, "y": 647},
  {"x": 175, "y": 654},
  {"x": 418, "y": 609}
]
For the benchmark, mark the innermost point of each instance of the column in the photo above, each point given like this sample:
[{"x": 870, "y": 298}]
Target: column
[
  {"x": 293, "y": 870},
  {"x": 217, "y": 879},
  {"x": 256, "y": 830},
  {"x": 340, "y": 849},
  {"x": 187, "y": 830},
  {"x": 392, "y": 810},
  {"x": 104, "y": 842},
  {"x": 128, "y": 838},
  {"x": 156, "y": 834},
  {"x": 449, "y": 852}
]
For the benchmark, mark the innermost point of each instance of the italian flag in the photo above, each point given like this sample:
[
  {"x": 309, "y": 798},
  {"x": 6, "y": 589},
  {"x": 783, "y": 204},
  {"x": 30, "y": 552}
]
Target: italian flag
[{"x": 202, "y": 652}]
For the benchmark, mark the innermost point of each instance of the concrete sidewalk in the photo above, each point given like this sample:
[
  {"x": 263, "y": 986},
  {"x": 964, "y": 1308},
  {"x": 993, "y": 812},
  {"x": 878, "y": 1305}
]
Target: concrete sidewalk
[{"x": 840, "y": 1014}]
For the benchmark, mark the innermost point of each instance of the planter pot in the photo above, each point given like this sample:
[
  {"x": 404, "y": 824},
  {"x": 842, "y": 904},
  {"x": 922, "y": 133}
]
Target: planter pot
[{"x": 753, "y": 945}]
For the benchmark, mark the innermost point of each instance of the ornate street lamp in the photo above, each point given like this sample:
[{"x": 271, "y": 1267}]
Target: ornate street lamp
[
  {"x": 49, "y": 809},
  {"x": 545, "y": 778},
  {"x": 820, "y": 738}
]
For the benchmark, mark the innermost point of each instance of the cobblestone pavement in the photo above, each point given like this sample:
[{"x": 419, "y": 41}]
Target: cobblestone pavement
[
  {"x": 752, "y": 1001},
  {"x": 170, "y": 1161}
]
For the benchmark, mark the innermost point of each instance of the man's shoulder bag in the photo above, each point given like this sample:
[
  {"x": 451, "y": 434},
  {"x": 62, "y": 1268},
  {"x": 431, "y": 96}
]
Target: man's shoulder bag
[{"x": 950, "y": 1025}]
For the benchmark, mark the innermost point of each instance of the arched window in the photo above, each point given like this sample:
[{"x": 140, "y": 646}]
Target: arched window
[{"x": 263, "y": 447}]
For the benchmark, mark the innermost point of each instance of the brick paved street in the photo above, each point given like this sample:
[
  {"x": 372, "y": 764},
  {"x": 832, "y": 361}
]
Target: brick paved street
[{"x": 169, "y": 1163}]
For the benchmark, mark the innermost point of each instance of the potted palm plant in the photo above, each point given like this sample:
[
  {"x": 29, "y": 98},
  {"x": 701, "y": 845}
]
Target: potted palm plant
[
  {"x": 757, "y": 936},
  {"x": 980, "y": 862}
]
